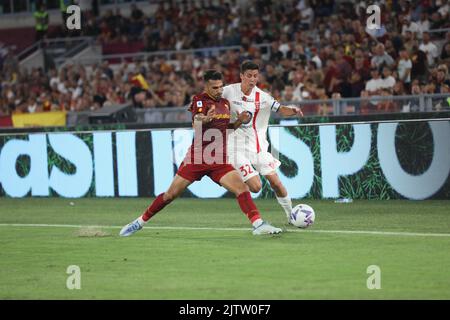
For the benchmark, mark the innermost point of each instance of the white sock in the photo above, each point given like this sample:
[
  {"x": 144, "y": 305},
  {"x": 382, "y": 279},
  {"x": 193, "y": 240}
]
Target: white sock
[
  {"x": 141, "y": 221},
  {"x": 286, "y": 203},
  {"x": 257, "y": 222}
]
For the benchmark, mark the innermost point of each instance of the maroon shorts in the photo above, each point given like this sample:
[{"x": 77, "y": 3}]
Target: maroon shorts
[{"x": 195, "y": 172}]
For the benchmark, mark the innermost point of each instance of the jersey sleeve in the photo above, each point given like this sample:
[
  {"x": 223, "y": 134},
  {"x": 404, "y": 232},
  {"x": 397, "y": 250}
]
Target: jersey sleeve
[
  {"x": 198, "y": 106},
  {"x": 273, "y": 104}
]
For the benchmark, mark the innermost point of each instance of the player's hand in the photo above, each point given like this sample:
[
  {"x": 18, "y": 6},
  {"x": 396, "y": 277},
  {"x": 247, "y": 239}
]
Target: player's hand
[
  {"x": 297, "y": 111},
  {"x": 243, "y": 117},
  {"x": 210, "y": 114}
]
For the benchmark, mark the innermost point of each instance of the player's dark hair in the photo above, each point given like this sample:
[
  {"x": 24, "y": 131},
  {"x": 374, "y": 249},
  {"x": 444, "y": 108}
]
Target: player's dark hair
[
  {"x": 212, "y": 75},
  {"x": 249, "y": 65}
]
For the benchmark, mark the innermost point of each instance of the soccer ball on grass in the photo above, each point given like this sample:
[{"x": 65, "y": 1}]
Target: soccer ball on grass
[{"x": 302, "y": 216}]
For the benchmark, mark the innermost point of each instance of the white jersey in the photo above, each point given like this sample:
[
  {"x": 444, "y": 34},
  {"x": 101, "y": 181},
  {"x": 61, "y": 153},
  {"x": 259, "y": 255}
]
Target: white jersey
[{"x": 251, "y": 136}]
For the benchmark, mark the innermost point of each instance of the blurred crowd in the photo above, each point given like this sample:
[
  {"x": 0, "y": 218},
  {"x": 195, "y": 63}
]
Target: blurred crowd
[{"x": 313, "y": 50}]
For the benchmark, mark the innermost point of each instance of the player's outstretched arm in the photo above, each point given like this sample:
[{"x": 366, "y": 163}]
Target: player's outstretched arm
[
  {"x": 287, "y": 111},
  {"x": 242, "y": 117}
]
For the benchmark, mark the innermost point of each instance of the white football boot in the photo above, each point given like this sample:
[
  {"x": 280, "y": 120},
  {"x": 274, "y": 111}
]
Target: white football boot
[
  {"x": 265, "y": 228},
  {"x": 130, "y": 228}
]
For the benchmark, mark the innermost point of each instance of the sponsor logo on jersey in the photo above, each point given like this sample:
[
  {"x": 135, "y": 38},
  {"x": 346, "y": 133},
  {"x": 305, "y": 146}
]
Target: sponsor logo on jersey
[{"x": 222, "y": 116}]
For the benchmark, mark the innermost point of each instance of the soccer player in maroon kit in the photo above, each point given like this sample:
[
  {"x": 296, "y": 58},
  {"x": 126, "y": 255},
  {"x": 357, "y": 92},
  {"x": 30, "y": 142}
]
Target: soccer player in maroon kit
[{"x": 207, "y": 156}]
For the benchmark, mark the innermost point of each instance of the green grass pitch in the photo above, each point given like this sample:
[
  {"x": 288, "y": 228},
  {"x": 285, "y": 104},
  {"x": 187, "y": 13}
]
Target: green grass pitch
[{"x": 204, "y": 249}]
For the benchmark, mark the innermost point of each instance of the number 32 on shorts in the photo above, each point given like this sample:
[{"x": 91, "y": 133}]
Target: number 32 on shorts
[{"x": 246, "y": 169}]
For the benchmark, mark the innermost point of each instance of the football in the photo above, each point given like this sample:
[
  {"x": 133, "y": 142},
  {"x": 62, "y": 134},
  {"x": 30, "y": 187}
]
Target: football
[{"x": 302, "y": 216}]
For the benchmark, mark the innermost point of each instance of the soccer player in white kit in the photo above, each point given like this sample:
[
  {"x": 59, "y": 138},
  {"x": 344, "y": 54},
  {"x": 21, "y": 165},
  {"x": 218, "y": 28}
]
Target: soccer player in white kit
[{"x": 248, "y": 145}]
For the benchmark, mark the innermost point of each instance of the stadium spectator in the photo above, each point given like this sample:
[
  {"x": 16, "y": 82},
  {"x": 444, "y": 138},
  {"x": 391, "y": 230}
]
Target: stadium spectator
[
  {"x": 316, "y": 58},
  {"x": 438, "y": 22},
  {"x": 137, "y": 20},
  {"x": 343, "y": 63},
  {"x": 409, "y": 25},
  {"x": 409, "y": 42},
  {"x": 306, "y": 14},
  {"x": 381, "y": 57},
  {"x": 404, "y": 69},
  {"x": 423, "y": 24},
  {"x": 441, "y": 79},
  {"x": 315, "y": 73},
  {"x": 386, "y": 105},
  {"x": 415, "y": 88},
  {"x": 10, "y": 65},
  {"x": 444, "y": 8},
  {"x": 138, "y": 96},
  {"x": 429, "y": 48},
  {"x": 375, "y": 83},
  {"x": 445, "y": 55},
  {"x": 399, "y": 89},
  {"x": 390, "y": 49},
  {"x": 41, "y": 22},
  {"x": 420, "y": 66},
  {"x": 325, "y": 109},
  {"x": 357, "y": 84},
  {"x": 388, "y": 81},
  {"x": 330, "y": 77},
  {"x": 288, "y": 94}
]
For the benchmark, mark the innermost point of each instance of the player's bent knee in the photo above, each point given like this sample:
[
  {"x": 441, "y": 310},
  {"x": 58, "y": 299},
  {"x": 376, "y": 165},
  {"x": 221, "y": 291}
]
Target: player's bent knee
[
  {"x": 255, "y": 188},
  {"x": 238, "y": 188}
]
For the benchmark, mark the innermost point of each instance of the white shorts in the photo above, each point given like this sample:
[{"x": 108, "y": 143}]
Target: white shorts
[{"x": 250, "y": 165}]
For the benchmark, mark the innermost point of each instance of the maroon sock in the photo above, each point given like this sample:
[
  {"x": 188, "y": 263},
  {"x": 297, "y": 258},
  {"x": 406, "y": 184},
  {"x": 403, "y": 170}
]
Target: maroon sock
[
  {"x": 248, "y": 206},
  {"x": 157, "y": 205}
]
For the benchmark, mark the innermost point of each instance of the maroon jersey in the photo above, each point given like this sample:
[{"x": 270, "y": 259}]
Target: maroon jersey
[{"x": 210, "y": 146}]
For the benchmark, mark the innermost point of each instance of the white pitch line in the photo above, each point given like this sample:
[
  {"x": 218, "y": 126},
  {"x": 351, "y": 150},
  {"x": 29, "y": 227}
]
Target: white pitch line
[
  {"x": 368, "y": 232},
  {"x": 382, "y": 233}
]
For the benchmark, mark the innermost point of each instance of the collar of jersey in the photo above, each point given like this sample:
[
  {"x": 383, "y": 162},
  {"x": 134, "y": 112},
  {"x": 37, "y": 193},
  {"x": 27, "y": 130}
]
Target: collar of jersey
[{"x": 248, "y": 99}]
